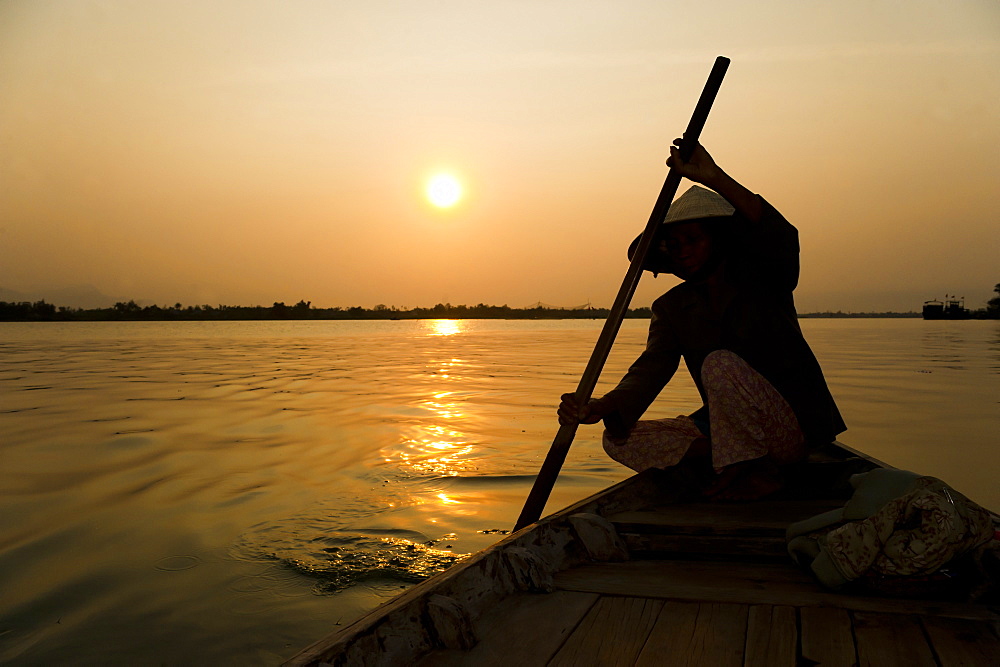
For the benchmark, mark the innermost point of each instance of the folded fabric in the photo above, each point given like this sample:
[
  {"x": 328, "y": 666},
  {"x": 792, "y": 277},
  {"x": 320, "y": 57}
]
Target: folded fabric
[{"x": 896, "y": 524}]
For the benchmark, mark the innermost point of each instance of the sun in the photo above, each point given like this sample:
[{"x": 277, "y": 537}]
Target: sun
[{"x": 444, "y": 190}]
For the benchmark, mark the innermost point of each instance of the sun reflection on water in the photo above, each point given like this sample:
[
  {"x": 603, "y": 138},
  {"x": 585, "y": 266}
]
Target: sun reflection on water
[
  {"x": 447, "y": 500},
  {"x": 437, "y": 444},
  {"x": 435, "y": 449},
  {"x": 439, "y": 438},
  {"x": 445, "y": 327},
  {"x": 445, "y": 409}
]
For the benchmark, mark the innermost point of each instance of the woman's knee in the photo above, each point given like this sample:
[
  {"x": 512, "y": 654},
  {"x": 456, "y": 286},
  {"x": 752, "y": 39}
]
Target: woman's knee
[
  {"x": 719, "y": 364},
  {"x": 722, "y": 356}
]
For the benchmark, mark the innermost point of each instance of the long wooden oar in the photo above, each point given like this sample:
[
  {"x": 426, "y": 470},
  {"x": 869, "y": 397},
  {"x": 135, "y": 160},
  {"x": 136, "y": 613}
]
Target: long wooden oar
[{"x": 546, "y": 479}]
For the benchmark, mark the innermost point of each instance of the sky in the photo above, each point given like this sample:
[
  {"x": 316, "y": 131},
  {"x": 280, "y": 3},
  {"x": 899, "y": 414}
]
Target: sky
[{"x": 247, "y": 152}]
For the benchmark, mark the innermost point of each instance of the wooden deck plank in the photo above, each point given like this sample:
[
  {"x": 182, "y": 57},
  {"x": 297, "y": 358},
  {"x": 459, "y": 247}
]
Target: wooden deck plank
[
  {"x": 961, "y": 644},
  {"x": 891, "y": 639},
  {"x": 671, "y": 635},
  {"x": 827, "y": 638},
  {"x": 747, "y": 583},
  {"x": 612, "y": 633},
  {"x": 772, "y": 636},
  {"x": 690, "y": 634},
  {"x": 539, "y": 622}
]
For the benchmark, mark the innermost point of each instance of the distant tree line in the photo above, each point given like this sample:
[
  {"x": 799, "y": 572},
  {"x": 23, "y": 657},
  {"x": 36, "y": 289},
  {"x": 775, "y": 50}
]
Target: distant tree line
[
  {"x": 40, "y": 311},
  {"x": 840, "y": 313}
]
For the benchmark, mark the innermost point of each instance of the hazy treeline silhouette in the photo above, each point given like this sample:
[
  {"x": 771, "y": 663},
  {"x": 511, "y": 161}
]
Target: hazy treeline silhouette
[
  {"x": 840, "y": 313},
  {"x": 40, "y": 311}
]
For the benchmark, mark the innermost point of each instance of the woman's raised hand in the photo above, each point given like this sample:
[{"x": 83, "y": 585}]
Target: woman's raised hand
[{"x": 700, "y": 168}]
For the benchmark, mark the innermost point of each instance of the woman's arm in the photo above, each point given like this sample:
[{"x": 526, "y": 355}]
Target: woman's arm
[
  {"x": 701, "y": 168},
  {"x": 646, "y": 377}
]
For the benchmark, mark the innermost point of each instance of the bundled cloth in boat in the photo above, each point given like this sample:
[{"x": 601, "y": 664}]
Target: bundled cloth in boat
[{"x": 898, "y": 525}]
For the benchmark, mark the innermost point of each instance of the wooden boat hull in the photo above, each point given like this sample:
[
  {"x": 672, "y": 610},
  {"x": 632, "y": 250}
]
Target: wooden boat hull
[{"x": 707, "y": 583}]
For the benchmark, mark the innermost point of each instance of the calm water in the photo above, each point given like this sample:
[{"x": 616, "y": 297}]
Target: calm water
[{"x": 195, "y": 493}]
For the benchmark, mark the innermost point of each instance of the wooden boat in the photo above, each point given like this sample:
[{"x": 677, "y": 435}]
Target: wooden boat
[{"x": 644, "y": 573}]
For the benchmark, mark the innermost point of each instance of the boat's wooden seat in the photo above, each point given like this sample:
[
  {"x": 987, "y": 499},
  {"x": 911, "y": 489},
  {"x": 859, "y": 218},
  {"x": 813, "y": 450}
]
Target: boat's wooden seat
[{"x": 715, "y": 530}]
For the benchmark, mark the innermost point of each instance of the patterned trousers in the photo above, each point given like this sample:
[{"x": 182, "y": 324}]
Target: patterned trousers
[{"x": 748, "y": 419}]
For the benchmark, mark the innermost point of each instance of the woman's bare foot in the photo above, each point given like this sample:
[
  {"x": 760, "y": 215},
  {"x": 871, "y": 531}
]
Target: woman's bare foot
[{"x": 749, "y": 480}]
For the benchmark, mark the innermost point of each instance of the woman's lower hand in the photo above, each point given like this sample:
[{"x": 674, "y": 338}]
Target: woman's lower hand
[{"x": 571, "y": 412}]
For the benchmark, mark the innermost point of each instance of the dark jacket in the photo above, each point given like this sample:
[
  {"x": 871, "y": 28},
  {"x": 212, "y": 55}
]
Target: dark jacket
[{"x": 754, "y": 317}]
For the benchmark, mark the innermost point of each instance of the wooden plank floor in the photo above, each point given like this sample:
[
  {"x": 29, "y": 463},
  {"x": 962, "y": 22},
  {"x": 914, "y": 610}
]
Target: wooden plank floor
[
  {"x": 710, "y": 633},
  {"x": 725, "y": 594},
  {"x": 735, "y": 613},
  {"x": 590, "y": 630},
  {"x": 744, "y": 583}
]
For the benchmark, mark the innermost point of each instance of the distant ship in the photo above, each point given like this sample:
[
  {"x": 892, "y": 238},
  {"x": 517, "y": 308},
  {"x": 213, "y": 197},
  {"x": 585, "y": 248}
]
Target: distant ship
[{"x": 952, "y": 308}]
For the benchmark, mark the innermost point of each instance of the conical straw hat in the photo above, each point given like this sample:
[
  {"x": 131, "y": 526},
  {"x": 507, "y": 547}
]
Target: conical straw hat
[{"x": 698, "y": 203}]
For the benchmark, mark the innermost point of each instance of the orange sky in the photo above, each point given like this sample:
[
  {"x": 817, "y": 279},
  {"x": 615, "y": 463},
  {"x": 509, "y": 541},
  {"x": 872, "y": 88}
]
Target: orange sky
[{"x": 251, "y": 152}]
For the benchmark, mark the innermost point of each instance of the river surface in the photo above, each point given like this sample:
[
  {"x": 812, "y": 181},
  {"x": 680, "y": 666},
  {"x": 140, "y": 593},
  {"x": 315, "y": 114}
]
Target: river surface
[{"x": 227, "y": 492}]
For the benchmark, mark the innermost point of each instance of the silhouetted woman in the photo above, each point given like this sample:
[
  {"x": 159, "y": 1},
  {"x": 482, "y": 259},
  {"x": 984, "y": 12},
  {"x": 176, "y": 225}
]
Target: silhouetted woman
[{"x": 733, "y": 321}]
